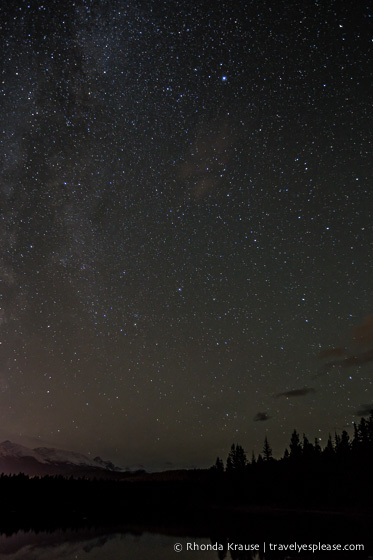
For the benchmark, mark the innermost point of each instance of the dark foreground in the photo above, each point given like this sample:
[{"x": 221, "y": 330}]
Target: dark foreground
[{"x": 198, "y": 503}]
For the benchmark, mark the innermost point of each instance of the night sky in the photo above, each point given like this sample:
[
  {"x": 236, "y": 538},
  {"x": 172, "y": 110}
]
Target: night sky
[{"x": 185, "y": 225}]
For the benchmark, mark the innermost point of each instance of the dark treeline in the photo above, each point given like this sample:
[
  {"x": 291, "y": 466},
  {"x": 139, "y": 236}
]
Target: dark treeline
[
  {"x": 47, "y": 502},
  {"x": 340, "y": 474}
]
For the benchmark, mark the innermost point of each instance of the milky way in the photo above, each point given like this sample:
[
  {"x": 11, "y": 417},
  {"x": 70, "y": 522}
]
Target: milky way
[{"x": 185, "y": 225}]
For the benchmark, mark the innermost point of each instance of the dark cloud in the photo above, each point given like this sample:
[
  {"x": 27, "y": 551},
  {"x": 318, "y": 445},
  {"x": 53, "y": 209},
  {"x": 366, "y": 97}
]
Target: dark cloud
[
  {"x": 349, "y": 361},
  {"x": 297, "y": 392},
  {"x": 261, "y": 417},
  {"x": 364, "y": 410}
]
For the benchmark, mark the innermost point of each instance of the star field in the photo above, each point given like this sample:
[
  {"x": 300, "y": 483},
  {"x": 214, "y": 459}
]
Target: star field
[{"x": 185, "y": 224}]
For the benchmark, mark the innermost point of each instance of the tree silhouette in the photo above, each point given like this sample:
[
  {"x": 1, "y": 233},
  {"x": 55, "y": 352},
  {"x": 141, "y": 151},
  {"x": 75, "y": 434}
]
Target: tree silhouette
[
  {"x": 308, "y": 450},
  {"x": 370, "y": 428},
  {"x": 219, "y": 465},
  {"x": 328, "y": 452},
  {"x": 237, "y": 460},
  {"x": 267, "y": 450},
  {"x": 317, "y": 448},
  {"x": 295, "y": 446},
  {"x": 342, "y": 444}
]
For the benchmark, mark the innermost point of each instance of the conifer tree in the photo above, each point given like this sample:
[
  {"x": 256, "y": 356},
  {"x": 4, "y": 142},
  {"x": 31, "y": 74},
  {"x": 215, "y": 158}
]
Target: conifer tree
[
  {"x": 363, "y": 432},
  {"x": 328, "y": 452},
  {"x": 308, "y": 450},
  {"x": 342, "y": 444},
  {"x": 295, "y": 446},
  {"x": 219, "y": 465},
  {"x": 370, "y": 436},
  {"x": 241, "y": 459},
  {"x": 370, "y": 428},
  {"x": 237, "y": 460},
  {"x": 267, "y": 450},
  {"x": 356, "y": 441},
  {"x": 317, "y": 448}
]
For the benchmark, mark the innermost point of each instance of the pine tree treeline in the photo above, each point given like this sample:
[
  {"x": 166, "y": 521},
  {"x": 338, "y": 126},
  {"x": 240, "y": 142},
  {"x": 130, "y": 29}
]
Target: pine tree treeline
[
  {"x": 338, "y": 448},
  {"x": 338, "y": 475}
]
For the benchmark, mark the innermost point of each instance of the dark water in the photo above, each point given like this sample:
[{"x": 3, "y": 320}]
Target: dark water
[
  {"x": 88, "y": 546},
  {"x": 135, "y": 543}
]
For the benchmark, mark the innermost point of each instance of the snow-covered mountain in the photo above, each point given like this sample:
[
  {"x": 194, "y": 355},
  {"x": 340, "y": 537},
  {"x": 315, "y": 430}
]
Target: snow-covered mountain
[
  {"x": 52, "y": 455},
  {"x": 15, "y": 458},
  {"x": 10, "y": 450}
]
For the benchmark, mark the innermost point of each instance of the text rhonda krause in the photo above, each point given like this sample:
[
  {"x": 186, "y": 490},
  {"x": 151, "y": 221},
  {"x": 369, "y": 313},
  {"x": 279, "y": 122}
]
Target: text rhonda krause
[
  {"x": 279, "y": 547},
  {"x": 219, "y": 546}
]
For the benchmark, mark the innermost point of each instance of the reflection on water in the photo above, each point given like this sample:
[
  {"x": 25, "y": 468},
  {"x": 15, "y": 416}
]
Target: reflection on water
[
  {"x": 93, "y": 544},
  {"x": 80, "y": 546}
]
